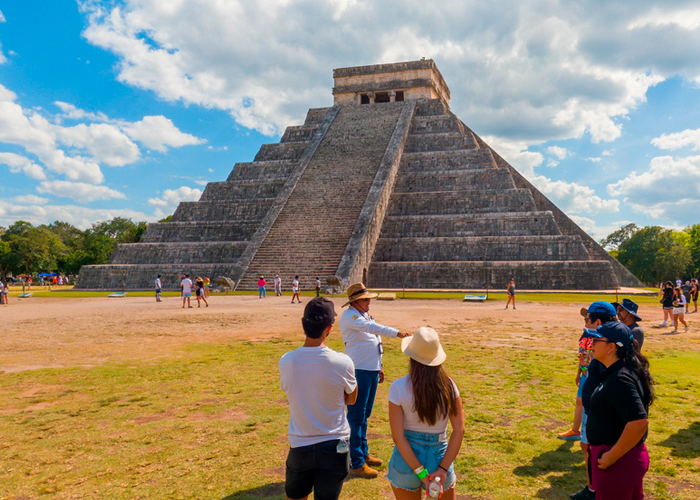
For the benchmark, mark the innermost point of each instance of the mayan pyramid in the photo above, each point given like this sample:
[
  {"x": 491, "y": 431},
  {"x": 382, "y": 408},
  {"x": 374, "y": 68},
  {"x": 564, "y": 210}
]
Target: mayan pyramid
[{"x": 387, "y": 187}]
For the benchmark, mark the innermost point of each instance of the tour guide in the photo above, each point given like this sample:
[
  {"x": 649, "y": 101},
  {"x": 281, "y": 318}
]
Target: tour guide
[{"x": 362, "y": 343}]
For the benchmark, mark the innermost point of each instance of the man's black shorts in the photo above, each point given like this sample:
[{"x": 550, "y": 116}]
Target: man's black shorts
[{"x": 319, "y": 467}]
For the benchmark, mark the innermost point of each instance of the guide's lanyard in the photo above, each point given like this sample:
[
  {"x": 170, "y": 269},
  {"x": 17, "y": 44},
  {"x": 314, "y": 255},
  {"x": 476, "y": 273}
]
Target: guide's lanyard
[{"x": 381, "y": 347}]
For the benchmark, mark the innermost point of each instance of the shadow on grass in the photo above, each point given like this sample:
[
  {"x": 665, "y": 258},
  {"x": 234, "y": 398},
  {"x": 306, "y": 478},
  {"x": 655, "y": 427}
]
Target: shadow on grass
[
  {"x": 271, "y": 491},
  {"x": 559, "y": 460},
  {"x": 685, "y": 443}
]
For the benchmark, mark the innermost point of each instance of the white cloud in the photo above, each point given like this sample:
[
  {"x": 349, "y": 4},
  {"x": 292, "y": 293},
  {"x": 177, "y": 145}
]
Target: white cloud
[
  {"x": 514, "y": 153},
  {"x": 79, "y": 191},
  {"x": 158, "y": 132},
  {"x": 558, "y": 152},
  {"x": 71, "y": 112},
  {"x": 678, "y": 140},
  {"x": 594, "y": 160},
  {"x": 31, "y": 199},
  {"x": 172, "y": 197},
  {"x": 2, "y": 17},
  {"x": 574, "y": 198},
  {"x": 80, "y": 216},
  {"x": 668, "y": 190},
  {"x": 593, "y": 229},
  {"x": 608, "y": 152},
  {"x": 520, "y": 70},
  {"x": 687, "y": 19},
  {"x": 19, "y": 163},
  {"x": 104, "y": 143}
]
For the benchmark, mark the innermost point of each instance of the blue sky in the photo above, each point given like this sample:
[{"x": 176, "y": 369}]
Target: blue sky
[{"x": 127, "y": 107}]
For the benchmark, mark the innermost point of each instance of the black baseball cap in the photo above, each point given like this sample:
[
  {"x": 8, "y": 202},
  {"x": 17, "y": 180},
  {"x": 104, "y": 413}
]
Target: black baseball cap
[
  {"x": 614, "y": 331},
  {"x": 319, "y": 311}
]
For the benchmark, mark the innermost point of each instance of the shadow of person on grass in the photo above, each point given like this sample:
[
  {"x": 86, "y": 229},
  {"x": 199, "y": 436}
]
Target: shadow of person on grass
[
  {"x": 685, "y": 443},
  {"x": 271, "y": 491},
  {"x": 559, "y": 460}
]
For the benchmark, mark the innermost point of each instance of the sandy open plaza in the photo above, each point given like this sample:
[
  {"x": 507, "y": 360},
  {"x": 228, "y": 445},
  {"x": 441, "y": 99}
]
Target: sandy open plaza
[{"x": 127, "y": 398}]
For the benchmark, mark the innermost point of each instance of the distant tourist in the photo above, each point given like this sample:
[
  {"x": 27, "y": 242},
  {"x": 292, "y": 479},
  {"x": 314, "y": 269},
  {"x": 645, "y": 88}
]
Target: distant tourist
[
  {"x": 4, "y": 293},
  {"x": 318, "y": 383},
  {"x": 159, "y": 288},
  {"x": 361, "y": 336},
  {"x": 199, "y": 292},
  {"x": 318, "y": 286},
  {"x": 295, "y": 289},
  {"x": 420, "y": 405},
  {"x": 186, "y": 286},
  {"x": 667, "y": 303},
  {"x": 261, "y": 287},
  {"x": 694, "y": 290},
  {"x": 510, "y": 291},
  {"x": 618, "y": 419},
  {"x": 278, "y": 285},
  {"x": 679, "y": 305},
  {"x": 207, "y": 286}
]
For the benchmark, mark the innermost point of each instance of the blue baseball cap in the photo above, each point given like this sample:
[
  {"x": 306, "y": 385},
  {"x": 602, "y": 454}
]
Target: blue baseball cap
[
  {"x": 614, "y": 331},
  {"x": 601, "y": 307}
]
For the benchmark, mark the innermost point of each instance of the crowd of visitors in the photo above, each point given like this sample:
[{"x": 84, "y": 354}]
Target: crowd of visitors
[{"x": 676, "y": 301}]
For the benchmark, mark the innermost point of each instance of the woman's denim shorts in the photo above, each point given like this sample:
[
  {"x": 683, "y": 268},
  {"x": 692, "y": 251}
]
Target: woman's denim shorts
[{"x": 429, "y": 449}]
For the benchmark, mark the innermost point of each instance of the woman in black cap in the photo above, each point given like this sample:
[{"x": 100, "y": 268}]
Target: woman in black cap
[{"x": 618, "y": 418}]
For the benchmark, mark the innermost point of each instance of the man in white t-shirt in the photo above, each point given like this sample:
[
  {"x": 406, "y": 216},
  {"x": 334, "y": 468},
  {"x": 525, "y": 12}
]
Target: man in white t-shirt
[
  {"x": 186, "y": 285},
  {"x": 278, "y": 285},
  {"x": 361, "y": 336},
  {"x": 318, "y": 382},
  {"x": 159, "y": 288}
]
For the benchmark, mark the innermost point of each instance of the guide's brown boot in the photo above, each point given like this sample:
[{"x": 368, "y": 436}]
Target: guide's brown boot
[
  {"x": 373, "y": 461},
  {"x": 365, "y": 471}
]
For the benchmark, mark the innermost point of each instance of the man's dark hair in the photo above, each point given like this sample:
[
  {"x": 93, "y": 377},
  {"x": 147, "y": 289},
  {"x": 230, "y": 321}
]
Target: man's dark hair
[
  {"x": 604, "y": 318},
  {"x": 314, "y": 330}
]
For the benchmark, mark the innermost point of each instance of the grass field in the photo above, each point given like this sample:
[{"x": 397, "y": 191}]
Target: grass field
[{"x": 210, "y": 422}]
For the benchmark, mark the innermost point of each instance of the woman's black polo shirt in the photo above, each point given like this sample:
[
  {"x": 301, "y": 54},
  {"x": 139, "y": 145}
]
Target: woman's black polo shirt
[{"x": 616, "y": 401}]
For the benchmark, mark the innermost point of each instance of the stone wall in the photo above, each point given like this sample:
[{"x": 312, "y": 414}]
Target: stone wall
[
  {"x": 181, "y": 232},
  {"x": 205, "y": 252}
]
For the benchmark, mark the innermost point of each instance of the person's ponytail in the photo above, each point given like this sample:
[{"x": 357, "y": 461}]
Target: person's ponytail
[{"x": 639, "y": 364}]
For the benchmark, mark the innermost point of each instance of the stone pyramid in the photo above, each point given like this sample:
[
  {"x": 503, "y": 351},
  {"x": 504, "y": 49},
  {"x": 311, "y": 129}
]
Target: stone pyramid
[{"x": 387, "y": 187}]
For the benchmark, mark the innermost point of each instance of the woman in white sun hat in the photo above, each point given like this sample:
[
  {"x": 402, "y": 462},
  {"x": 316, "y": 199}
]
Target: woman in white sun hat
[{"x": 420, "y": 405}]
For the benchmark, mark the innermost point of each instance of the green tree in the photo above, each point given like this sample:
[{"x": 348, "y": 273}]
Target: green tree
[
  {"x": 33, "y": 249},
  {"x": 654, "y": 254},
  {"x": 5, "y": 259},
  {"x": 617, "y": 238},
  {"x": 694, "y": 247}
]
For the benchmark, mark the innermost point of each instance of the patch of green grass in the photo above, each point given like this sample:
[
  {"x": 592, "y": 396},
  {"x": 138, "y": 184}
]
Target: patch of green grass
[{"x": 211, "y": 424}]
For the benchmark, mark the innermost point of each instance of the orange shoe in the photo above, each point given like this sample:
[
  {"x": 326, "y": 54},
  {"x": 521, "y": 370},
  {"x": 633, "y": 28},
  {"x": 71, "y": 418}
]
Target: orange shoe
[{"x": 569, "y": 435}]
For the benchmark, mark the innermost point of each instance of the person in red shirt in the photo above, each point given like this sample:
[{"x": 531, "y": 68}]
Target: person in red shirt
[{"x": 261, "y": 287}]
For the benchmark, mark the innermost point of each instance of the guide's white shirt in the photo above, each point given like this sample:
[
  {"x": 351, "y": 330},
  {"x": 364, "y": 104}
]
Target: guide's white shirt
[
  {"x": 186, "y": 285},
  {"x": 401, "y": 394},
  {"x": 361, "y": 338},
  {"x": 158, "y": 284},
  {"x": 315, "y": 380}
]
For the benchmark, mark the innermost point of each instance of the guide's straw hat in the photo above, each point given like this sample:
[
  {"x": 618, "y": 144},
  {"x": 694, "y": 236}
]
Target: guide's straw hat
[
  {"x": 424, "y": 346},
  {"x": 359, "y": 291}
]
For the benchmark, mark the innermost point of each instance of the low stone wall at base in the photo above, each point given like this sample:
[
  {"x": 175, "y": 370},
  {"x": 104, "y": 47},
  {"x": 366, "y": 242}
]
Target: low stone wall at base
[
  {"x": 531, "y": 275},
  {"x": 142, "y": 276}
]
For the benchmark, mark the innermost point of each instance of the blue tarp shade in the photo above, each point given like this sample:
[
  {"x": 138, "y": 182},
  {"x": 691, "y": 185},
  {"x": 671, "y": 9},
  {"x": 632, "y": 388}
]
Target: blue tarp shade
[{"x": 44, "y": 275}]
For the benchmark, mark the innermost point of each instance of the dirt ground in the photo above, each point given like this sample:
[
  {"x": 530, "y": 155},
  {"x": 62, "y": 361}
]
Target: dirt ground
[{"x": 63, "y": 332}]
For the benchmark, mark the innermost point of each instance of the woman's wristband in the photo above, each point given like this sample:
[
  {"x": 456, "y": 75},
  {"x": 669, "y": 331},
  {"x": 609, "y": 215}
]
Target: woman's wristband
[
  {"x": 420, "y": 472},
  {"x": 442, "y": 468}
]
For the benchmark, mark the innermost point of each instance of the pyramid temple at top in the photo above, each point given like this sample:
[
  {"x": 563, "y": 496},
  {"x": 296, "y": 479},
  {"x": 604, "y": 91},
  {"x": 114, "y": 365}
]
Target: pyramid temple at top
[{"x": 387, "y": 187}]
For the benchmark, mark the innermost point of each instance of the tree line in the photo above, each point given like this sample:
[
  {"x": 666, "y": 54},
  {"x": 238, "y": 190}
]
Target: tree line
[
  {"x": 61, "y": 247},
  {"x": 654, "y": 254}
]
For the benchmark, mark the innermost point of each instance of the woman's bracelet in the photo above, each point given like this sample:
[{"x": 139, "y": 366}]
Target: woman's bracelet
[
  {"x": 420, "y": 472},
  {"x": 442, "y": 468}
]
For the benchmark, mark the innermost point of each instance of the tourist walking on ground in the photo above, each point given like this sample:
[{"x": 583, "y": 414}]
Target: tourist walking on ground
[
  {"x": 261, "y": 287},
  {"x": 186, "y": 287},
  {"x": 4, "y": 293},
  {"x": 598, "y": 313},
  {"x": 318, "y": 383},
  {"x": 159, "y": 288},
  {"x": 686, "y": 292},
  {"x": 199, "y": 292},
  {"x": 361, "y": 336},
  {"x": 278, "y": 285},
  {"x": 667, "y": 303},
  {"x": 679, "y": 307},
  {"x": 295, "y": 289},
  {"x": 420, "y": 404},
  {"x": 207, "y": 285},
  {"x": 318, "y": 286},
  {"x": 619, "y": 415},
  {"x": 694, "y": 290},
  {"x": 510, "y": 291}
]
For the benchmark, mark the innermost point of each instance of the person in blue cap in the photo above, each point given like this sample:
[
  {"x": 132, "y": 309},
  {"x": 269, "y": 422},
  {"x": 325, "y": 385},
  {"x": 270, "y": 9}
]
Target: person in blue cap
[
  {"x": 597, "y": 314},
  {"x": 618, "y": 416},
  {"x": 627, "y": 314}
]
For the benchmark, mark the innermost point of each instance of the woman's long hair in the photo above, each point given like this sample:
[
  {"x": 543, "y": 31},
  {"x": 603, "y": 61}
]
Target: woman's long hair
[
  {"x": 433, "y": 392},
  {"x": 639, "y": 364}
]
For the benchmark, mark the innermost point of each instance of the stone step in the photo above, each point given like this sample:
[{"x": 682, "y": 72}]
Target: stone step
[
  {"x": 281, "y": 151},
  {"x": 461, "y": 202},
  {"x": 182, "y": 232},
  {"x": 542, "y": 275},
  {"x": 203, "y": 252},
  {"x": 435, "y": 124},
  {"x": 441, "y": 160},
  {"x": 480, "y": 248},
  {"x": 242, "y": 189},
  {"x": 315, "y": 116},
  {"x": 454, "y": 180},
  {"x": 486, "y": 224},
  {"x": 444, "y": 141},
  {"x": 299, "y": 133},
  {"x": 431, "y": 107},
  {"x": 262, "y": 170},
  {"x": 233, "y": 211}
]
